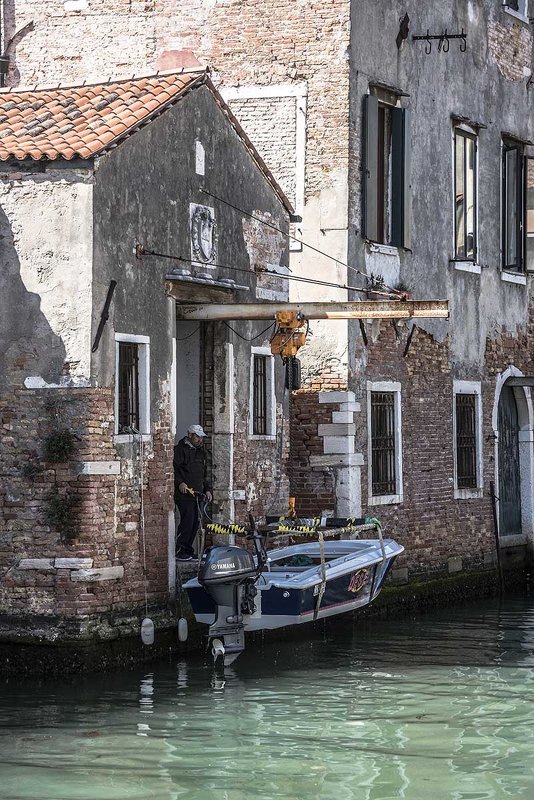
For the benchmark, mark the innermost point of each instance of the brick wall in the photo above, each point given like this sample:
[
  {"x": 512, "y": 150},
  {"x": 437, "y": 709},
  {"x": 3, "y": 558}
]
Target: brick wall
[
  {"x": 312, "y": 488},
  {"x": 430, "y": 522},
  {"x": 250, "y": 43},
  {"x": 106, "y": 527}
]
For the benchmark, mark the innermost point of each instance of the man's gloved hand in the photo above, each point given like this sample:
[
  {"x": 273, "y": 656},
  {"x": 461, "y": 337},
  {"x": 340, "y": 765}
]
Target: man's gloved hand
[
  {"x": 182, "y": 488},
  {"x": 209, "y": 496}
]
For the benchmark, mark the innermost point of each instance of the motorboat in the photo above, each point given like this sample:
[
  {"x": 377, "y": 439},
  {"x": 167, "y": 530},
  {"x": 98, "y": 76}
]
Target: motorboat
[{"x": 238, "y": 591}]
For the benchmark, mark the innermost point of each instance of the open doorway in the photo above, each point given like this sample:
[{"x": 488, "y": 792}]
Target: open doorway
[
  {"x": 509, "y": 465},
  {"x": 512, "y": 423},
  {"x": 188, "y": 384}
]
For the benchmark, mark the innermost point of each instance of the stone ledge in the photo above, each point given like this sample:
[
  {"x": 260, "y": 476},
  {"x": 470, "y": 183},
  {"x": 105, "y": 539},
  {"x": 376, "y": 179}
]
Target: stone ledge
[
  {"x": 100, "y": 468},
  {"x": 337, "y": 460},
  {"x": 345, "y": 429},
  {"x": 337, "y": 397},
  {"x": 342, "y": 416},
  {"x": 46, "y": 564},
  {"x": 338, "y": 444},
  {"x": 73, "y": 563},
  {"x": 102, "y": 574},
  {"x": 352, "y": 406}
]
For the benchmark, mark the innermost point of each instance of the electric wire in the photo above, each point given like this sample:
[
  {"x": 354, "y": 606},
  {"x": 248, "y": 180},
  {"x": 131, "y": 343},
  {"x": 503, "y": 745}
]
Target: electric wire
[
  {"x": 183, "y": 338},
  {"x": 245, "y": 338},
  {"x": 265, "y": 271},
  {"x": 300, "y": 241}
]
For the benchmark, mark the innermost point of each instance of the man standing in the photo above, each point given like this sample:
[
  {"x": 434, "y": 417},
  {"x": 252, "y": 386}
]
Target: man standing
[{"x": 190, "y": 472}]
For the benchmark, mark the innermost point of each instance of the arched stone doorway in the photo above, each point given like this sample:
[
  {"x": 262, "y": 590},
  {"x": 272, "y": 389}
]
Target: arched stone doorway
[
  {"x": 512, "y": 423},
  {"x": 509, "y": 486}
]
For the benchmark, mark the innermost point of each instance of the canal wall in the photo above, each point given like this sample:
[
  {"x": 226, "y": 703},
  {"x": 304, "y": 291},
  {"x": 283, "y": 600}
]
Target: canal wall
[{"x": 23, "y": 659}]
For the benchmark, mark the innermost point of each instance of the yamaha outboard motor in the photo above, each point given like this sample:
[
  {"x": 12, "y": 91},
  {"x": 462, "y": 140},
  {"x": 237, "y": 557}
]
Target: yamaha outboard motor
[{"x": 228, "y": 574}]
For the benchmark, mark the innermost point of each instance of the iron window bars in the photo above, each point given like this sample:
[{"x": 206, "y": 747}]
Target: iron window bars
[
  {"x": 128, "y": 416},
  {"x": 383, "y": 455},
  {"x": 259, "y": 396},
  {"x": 466, "y": 441}
]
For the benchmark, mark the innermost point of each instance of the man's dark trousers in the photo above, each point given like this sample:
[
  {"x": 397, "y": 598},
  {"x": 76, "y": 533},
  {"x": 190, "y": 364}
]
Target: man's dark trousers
[{"x": 187, "y": 529}]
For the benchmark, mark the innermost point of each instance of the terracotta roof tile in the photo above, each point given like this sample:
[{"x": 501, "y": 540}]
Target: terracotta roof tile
[{"x": 81, "y": 121}]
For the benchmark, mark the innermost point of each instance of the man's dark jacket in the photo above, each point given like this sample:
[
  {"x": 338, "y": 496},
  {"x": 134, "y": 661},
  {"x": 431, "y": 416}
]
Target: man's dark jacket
[{"x": 190, "y": 467}]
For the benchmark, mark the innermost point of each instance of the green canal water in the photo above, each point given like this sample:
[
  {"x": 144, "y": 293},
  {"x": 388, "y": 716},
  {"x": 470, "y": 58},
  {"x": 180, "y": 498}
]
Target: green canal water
[{"x": 441, "y": 706}]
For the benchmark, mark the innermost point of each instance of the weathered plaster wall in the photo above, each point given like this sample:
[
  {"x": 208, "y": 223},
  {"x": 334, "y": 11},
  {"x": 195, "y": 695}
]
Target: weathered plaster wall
[
  {"x": 473, "y": 85},
  {"x": 272, "y": 52},
  {"x": 90, "y": 575},
  {"x": 47, "y": 247},
  {"x": 140, "y": 198}
]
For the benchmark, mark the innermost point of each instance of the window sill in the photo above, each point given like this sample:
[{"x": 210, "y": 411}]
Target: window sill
[
  {"x": 385, "y": 500},
  {"x": 468, "y": 494},
  {"x": 514, "y": 277},
  {"x": 516, "y": 14},
  {"x": 263, "y": 437},
  {"x": 466, "y": 266},
  {"x": 130, "y": 438},
  {"x": 384, "y": 249}
]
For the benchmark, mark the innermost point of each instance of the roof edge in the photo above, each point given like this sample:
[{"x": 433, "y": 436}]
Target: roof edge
[{"x": 103, "y": 81}]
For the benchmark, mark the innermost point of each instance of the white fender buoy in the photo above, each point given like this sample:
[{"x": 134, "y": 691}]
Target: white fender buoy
[
  {"x": 147, "y": 631},
  {"x": 217, "y": 648},
  {"x": 182, "y": 630}
]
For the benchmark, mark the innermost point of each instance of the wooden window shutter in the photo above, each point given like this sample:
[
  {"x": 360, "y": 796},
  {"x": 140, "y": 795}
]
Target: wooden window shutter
[
  {"x": 370, "y": 168},
  {"x": 401, "y": 178},
  {"x": 529, "y": 214}
]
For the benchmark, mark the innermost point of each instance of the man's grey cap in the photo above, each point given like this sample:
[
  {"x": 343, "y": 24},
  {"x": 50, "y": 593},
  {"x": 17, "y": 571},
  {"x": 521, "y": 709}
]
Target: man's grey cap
[{"x": 198, "y": 429}]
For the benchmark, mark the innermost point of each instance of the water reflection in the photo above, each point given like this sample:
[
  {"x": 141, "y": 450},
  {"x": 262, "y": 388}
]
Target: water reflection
[{"x": 439, "y": 707}]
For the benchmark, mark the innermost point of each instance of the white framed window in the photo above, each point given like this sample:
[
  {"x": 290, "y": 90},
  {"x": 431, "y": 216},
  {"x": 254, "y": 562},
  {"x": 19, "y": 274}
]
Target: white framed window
[
  {"x": 384, "y": 442},
  {"x": 517, "y": 206},
  {"x": 517, "y": 8},
  {"x": 467, "y": 439},
  {"x": 387, "y": 202},
  {"x": 132, "y": 386},
  {"x": 262, "y": 403},
  {"x": 465, "y": 193}
]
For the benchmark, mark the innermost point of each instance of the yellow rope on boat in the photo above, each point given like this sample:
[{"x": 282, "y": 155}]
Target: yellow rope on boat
[
  {"x": 226, "y": 530},
  {"x": 293, "y": 529}
]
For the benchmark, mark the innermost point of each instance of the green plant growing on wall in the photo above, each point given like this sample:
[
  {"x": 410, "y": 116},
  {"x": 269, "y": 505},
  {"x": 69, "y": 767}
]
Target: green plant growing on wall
[
  {"x": 60, "y": 514},
  {"x": 31, "y": 470},
  {"x": 59, "y": 446}
]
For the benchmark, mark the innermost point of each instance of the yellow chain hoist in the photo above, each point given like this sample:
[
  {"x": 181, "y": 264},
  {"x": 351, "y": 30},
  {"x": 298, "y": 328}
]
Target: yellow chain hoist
[{"x": 289, "y": 335}]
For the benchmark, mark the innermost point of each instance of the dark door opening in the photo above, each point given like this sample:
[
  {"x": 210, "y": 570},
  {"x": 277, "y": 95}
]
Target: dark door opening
[{"x": 509, "y": 469}]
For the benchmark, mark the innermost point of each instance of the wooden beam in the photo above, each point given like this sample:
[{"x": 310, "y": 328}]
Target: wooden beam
[{"x": 358, "y": 309}]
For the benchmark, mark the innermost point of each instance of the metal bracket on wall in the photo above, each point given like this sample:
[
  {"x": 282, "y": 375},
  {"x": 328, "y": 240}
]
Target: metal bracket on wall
[
  {"x": 404, "y": 30},
  {"x": 104, "y": 316},
  {"x": 443, "y": 39}
]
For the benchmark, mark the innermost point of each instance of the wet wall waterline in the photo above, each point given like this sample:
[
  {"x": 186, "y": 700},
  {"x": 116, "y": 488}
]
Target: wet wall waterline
[{"x": 25, "y": 659}]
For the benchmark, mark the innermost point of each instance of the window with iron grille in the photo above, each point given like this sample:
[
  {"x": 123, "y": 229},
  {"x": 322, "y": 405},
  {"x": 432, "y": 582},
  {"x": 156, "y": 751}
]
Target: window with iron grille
[
  {"x": 132, "y": 385},
  {"x": 466, "y": 441},
  {"x": 465, "y": 195},
  {"x": 128, "y": 389},
  {"x": 259, "y": 395},
  {"x": 383, "y": 443}
]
